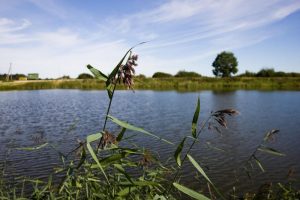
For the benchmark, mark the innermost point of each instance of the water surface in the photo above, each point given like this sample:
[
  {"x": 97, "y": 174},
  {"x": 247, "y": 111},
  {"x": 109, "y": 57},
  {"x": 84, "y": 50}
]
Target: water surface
[{"x": 61, "y": 117}]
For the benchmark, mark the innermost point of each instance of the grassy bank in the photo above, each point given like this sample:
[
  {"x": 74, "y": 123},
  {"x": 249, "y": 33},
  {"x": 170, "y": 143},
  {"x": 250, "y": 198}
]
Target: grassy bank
[{"x": 188, "y": 84}]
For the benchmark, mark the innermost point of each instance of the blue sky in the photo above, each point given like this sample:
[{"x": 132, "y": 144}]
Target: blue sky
[{"x": 60, "y": 37}]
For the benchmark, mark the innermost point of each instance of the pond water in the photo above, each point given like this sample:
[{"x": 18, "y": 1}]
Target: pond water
[{"x": 61, "y": 117}]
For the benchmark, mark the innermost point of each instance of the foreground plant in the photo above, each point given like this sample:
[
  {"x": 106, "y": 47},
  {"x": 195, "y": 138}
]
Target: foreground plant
[{"x": 107, "y": 169}]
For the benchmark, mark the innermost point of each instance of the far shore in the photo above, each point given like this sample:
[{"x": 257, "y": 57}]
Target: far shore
[{"x": 182, "y": 84}]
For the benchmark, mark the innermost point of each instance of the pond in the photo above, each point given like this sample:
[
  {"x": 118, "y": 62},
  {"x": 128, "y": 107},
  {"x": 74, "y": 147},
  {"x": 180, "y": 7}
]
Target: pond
[{"x": 62, "y": 117}]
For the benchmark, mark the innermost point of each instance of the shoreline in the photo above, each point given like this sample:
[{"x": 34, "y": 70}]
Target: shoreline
[{"x": 180, "y": 84}]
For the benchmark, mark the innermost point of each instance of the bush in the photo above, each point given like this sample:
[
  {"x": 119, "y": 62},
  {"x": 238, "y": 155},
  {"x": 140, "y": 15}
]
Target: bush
[
  {"x": 85, "y": 76},
  {"x": 161, "y": 75},
  {"x": 187, "y": 74},
  {"x": 266, "y": 72}
]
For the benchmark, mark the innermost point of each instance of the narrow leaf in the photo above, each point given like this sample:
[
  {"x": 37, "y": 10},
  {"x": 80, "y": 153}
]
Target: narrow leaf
[
  {"x": 195, "y": 119},
  {"x": 271, "y": 151},
  {"x": 122, "y": 170},
  {"x": 134, "y": 128},
  {"x": 97, "y": 73},
  {"x": 270, "y": 134},
  {"x": 126, "y": 191},
  {"x": 121, "y": 134},
  {"x": 197, "y": 166},
  {"x": 190, "y": 192},
  {"x": 177, "y": 153},
  {"x": 258, "y": 163},
  {"x": 90, "y": 139},
  {"x": 32, "y": 148}
]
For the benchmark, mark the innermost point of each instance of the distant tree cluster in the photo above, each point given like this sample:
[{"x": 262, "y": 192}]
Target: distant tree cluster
[
  {"x": 64, "y": 77},
  {"x": 12, "y": 76},
  {"x": 161, "y": 75},
  {"x": 179, "y": 74},
  {"x": 269, "y": 72},
  {"x": 187, "y": 74},
  {"x": 85, "y": 76}
]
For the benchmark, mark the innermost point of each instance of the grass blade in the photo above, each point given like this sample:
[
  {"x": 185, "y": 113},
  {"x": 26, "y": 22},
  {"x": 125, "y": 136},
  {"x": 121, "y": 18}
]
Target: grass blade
[
  {"x": 177, "y": 153},
  {"x": 92, "y": 138},
  {"x": 134, "y": 128},
  {"x": 258, "y": 163},
  {"x": 190, "y": 192},
  {"x": 121, "y": 134},
  {"x": 33, "y": 148},
  {"x": 97, "y": 73},
  {"x": 271, "y": 151},
  {"x": 195, "y": 119},
  {"x": 197, "y": 166}
]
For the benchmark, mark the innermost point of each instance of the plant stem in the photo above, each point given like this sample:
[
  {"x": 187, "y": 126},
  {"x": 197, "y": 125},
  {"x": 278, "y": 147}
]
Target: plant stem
[{"x": 107, "y": 112}]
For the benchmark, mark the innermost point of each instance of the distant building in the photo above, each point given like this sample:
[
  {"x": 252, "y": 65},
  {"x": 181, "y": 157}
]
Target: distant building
[{"x": 33, "y": 76}]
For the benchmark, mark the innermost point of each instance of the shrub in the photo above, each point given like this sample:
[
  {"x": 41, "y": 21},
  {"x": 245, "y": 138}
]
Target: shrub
[
  {"x": 161, "y": 75},
  {"x": 85, "y": 76},
  {"x": 187, "y": 74},
  {"x": 266, "y": 72}
]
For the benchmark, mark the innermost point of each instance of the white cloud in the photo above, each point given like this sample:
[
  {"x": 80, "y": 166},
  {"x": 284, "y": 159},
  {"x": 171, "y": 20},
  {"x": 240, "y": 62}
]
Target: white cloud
[
  {"x": 8, "y": 25},
  {"x": 183, "y": 32}
]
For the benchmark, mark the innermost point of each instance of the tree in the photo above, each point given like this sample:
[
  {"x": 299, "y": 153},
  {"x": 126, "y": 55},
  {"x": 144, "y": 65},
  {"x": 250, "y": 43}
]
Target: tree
[{"x": 225, "y": 64}]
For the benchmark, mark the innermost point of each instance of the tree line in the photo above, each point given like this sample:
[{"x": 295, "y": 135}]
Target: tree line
[{"x": 224, "y": 65}]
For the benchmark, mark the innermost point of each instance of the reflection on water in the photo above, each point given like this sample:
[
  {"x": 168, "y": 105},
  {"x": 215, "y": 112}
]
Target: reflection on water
[{"x": 61, "y": 117}]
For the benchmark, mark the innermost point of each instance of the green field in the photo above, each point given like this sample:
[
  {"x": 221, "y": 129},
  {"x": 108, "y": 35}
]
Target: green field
[{"x": 182, "y": 84}]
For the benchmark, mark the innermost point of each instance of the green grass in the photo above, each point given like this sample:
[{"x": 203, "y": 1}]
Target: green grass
[{"x": 181, "y": 84}]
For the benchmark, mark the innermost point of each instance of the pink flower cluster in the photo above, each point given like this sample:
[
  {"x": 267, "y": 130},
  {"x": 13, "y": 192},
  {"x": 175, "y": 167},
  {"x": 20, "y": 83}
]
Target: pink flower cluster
[{"x": 127, "y": 71}]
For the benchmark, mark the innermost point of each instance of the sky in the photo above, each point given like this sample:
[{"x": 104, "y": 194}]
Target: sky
[{"x": 60, "y": 37}]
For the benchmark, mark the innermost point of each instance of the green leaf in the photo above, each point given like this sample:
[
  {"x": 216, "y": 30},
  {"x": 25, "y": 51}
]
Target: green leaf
[
  {"x": 190, "y": 192},
  {"x": 121, "y": 134},
  {"x": 177, "y": 153},
  {"x": 126, "y": 190},
  {"x": 270, "y": 134},
  {"x": 113, "y": 158},
  {"x": 97, "y": 73},
  {"x": 159, "y": 197},
  {"x": 139, "y": 183},
  {"x": 122, "y": 170},
  {"x": 195, "y": 119},
  {"x": 134, "y": 128},
  {"x": 258, "y": 163},
  {"x": 271, "y": 151},
  {"x": 92, "y": 138},
  {"x": 197, "y": 166},
  {"x": 33, "y": 148}
]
